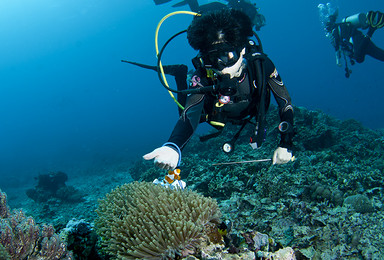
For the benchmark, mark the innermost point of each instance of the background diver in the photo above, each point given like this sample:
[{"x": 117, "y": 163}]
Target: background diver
[
  {"x": 349, "y": 41},
  {"x": 243, "y": 78},
  {"x": 247, "y": 6}
]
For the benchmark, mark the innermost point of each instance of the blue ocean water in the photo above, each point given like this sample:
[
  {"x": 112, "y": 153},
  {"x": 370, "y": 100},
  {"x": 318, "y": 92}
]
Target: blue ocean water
[{"x": 67, "y": 101}]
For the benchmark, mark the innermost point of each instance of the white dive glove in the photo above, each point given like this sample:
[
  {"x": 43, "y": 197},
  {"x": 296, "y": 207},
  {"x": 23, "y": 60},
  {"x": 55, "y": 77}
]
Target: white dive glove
[
  {"x": 165, "y": 157},
  {"x": 282, "y": 156}
]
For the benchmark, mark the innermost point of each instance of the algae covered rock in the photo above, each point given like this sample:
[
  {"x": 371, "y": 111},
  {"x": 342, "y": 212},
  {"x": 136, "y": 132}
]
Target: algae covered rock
[{"x": 359, "y": 203}]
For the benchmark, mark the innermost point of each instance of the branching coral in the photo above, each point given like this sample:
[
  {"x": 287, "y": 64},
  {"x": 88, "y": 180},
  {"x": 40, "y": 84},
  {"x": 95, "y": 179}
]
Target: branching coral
[
  {"x": 143, "y": 220},
  {"x": 20, "y": 237}
]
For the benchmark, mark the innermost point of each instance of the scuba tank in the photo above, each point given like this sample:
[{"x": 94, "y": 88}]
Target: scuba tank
[{"x": 357, "y": 20}]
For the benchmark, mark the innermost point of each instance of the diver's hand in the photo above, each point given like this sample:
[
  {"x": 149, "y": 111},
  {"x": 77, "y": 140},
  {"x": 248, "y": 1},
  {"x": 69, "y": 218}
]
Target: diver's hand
[
  {"x": 165, "y": 157},
  {"x": 375, "y": 19},
  {"x": 282, "y": 156}
]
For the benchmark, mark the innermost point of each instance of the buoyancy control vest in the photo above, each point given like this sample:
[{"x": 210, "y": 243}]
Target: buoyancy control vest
[{"x": 251, "y": 99}]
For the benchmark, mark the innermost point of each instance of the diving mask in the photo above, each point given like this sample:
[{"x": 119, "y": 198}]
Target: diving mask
[
  {"x": 227, "y": 65},
  {"x": 228, "y": 77},
  {"x": 221, "y": 55},
  {"x": 236, "y": 69},
  {"x": 223, "y": 62}
]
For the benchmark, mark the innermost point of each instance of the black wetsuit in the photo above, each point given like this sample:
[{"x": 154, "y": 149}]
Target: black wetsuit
[
  {"x": 363, "y": 45},
  {"x": 239, "y": 108},
  {"x": 354, "y": 43}
]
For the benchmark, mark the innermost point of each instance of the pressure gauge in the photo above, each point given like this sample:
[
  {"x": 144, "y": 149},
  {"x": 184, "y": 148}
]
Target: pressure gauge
[{"x": 228, "y": 147}]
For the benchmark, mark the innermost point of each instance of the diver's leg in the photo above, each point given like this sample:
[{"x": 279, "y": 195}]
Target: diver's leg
[
  {"x": 374, "y": 51},
  {"x": 364, "y": 46},
  {"x": 360, "y": 43},
  {"x": 178, "y": 71}
]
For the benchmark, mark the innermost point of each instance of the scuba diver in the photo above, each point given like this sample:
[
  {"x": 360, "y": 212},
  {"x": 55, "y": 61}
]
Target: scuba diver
[
  {"x": 232, "y": 83},
  {"x": 349, "y": 41},
  {"x": 246, "y": 6}
]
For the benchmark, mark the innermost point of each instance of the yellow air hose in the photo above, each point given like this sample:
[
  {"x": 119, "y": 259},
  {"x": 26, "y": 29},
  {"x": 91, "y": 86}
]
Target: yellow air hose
[{"x": 157, "y": 48}]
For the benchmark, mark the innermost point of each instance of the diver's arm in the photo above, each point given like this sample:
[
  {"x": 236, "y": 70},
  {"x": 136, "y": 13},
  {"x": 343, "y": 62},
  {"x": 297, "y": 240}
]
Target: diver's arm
[
  {"x": 168, "y": 156},
  {"x": 283, "y": 100},
  {"x": 190, "y": 118}
]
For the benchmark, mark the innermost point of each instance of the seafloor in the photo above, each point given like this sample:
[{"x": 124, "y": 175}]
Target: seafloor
[{"x": 327, "y": 204}]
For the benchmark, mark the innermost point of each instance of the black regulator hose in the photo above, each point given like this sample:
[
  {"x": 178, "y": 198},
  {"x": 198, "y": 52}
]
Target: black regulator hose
[{"x": 159, "y": 73}]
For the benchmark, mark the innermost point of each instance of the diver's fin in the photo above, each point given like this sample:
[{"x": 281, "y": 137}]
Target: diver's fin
[
  {"x": 141, "y": 65},
  {"x": 193, "y": 5},
  {"x": 182, "y": 3},
  {"x": 159, "y": 2},
  {"x": 174, "y": 70},
  {"x": 375, "y": 19}
]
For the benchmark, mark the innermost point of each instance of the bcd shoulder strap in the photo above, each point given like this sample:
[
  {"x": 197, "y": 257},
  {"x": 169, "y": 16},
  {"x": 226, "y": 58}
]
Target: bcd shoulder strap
[{"x": 257, "y": 108}]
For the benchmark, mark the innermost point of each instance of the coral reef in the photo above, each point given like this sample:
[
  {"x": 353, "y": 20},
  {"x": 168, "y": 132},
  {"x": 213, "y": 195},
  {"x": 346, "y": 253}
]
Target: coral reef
[
  {"x": 327, "y": 204},
  {"x": 301, "y": 204},
  {"x": 324, "y": 193},
  {"x": 81, "y": 239},
  {"x": 359, "y": 203},
  {"x": 286, "y": 253},
  {"x": 143, "y": 220},
  {"x": 21, "y": 237}
]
